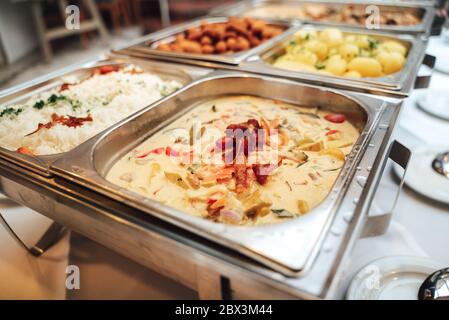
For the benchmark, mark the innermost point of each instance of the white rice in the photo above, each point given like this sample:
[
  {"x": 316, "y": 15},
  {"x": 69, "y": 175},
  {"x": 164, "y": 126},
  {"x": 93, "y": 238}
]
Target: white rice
[{"x": 107, "y": 98}]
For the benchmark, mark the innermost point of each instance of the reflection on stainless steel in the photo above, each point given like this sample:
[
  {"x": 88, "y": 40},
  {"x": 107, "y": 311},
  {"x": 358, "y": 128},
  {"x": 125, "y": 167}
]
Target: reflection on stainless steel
[
  {"x": 436, "y": 286},
  {"x": 73, "y": 73},
  {"x": 424, "y": 12},
  {"x": 441, "y": 164}
]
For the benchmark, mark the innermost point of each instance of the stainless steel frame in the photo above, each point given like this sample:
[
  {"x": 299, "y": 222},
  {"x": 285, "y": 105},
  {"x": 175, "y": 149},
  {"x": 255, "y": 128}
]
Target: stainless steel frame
[
  {"x": 40, "y": 164},
  {"x": 425, "y": 12},
  {"x": 288, "y": 247},
  {"x": 148, "y": 44},
  {"x": 196, "y": 253},
  {"x": 214, "y": 271}
]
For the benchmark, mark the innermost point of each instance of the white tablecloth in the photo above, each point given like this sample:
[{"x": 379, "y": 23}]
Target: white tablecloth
[{"x": 420, "y": 227}]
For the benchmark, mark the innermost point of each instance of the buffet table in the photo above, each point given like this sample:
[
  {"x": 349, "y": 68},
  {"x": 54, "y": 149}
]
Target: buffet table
[{"x": 221, "y": 261}]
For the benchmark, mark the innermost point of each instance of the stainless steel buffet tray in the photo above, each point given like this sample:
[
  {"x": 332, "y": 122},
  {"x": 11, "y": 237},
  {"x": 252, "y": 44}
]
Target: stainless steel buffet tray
[
  {"x": 289, "y": 247},
  {"x": 400, "y": 82},
  {"x": 148, "y": 45},
  {"x": 40, "y": 164},
  {"x": 425, "y": 12}
]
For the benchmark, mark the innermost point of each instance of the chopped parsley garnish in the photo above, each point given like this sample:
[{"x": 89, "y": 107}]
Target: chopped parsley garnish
[
  {"x": 10, "y": 112},
  {"x": 39, "y": 104},
  {"x": 373, "y": 43},
  {"x": 320, "y": 65},
  {"x": 53, "y": 99}
]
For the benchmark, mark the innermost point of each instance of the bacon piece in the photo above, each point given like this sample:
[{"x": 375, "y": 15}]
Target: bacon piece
[
  {"x": 262, "y": 171},
  {"x": 241, "y": 181}
]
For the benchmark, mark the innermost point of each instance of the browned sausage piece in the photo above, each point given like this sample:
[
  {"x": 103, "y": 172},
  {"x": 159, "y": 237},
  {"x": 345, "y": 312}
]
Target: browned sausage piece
[
  {"x": 206, "y": 40},
  {"x": 190, "y": 46},
  {"x": 193, "y": 34},
  {"x": 207, "y": 49},
  {"x": 164, "y": 47},
  {"x": 220, "y": 46},
  {"x": 242, "y": 44},
  {"x": 231, "y": 43}
]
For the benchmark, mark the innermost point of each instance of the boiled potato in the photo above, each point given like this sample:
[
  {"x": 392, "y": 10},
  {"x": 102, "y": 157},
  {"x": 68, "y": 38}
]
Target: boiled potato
[
  {"x": 349, "y": 51},
  {"x": 330, "y": 52},
  {"x": 362, "y": 42},
  {"x": 336, "y": 65},
  {"x": 294, "y": 65},
  {"x": 305, "y": 57},
  {"x": 367, "y": 67},
  {"x": 350, "y": 38},
  {"x": 317, "y": 47},
  {"x": 391, "y": 61},
  {"x": 394, "y": 46},
  {"x": 327, "y": 73},
  {"x": 305, "y": 34},
  {"x": 352, "y": 74},
  {"x": 332, "y": 37}
]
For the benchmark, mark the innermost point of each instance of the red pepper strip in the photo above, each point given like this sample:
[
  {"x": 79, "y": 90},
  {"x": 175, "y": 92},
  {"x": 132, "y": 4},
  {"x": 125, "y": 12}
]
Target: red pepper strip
[
  {"x": 211, "y": 201},
  {"x": 108, "y": 69},
  {"x": 335, "y": 118},
  {"x": 170, "y": 152},
  {"x": 25, "y": 150},
  {"x": 331, "y": 132},
  {"x": 154, "y": 151}
]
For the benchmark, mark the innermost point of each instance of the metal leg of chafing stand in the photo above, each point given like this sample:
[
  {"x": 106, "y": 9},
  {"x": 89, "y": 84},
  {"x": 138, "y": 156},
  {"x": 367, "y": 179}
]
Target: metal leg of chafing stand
[{"x": 53, "y": 234}]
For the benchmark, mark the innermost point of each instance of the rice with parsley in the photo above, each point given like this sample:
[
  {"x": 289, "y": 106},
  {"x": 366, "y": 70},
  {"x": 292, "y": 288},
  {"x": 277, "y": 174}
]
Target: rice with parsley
[{"x": 105, "y": 99}]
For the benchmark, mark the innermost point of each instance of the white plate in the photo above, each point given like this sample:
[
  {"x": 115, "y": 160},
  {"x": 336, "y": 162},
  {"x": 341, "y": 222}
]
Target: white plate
[
  {"x": 422, "y": 178},
  {"x": 435, "y": 102},
  {"x": 391, "y": 278}
]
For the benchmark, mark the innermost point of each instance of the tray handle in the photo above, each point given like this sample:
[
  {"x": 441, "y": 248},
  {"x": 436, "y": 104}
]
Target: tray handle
[
  {"x": 53, "y": 234},
  {"x": 422, "y": 80},
  {"x": 378, "y": 224}
]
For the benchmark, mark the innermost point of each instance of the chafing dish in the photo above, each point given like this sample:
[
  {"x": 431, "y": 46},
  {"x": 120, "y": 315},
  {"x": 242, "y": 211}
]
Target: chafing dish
[
  {"x": 424, "y": 11},
  {"x": 213, "y": 262},
  {"x": 148, "y": 45},
  {"x": 40, "y": 164},
  {"x": 399, "y": 83},
  {"x": 289, "y": 247}
]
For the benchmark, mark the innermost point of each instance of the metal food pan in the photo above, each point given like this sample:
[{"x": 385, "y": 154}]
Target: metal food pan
[
  {"x": 21, "y": 93},
  {"x": 288, "y": 247},
  {"x": 148, "y": 45},
  {"x": 425, "y": 12},
  {"x": 401, "y": 81}
]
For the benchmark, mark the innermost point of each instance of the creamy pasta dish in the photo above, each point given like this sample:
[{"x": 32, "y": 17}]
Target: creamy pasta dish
[{"x": 241, "y": 160}]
